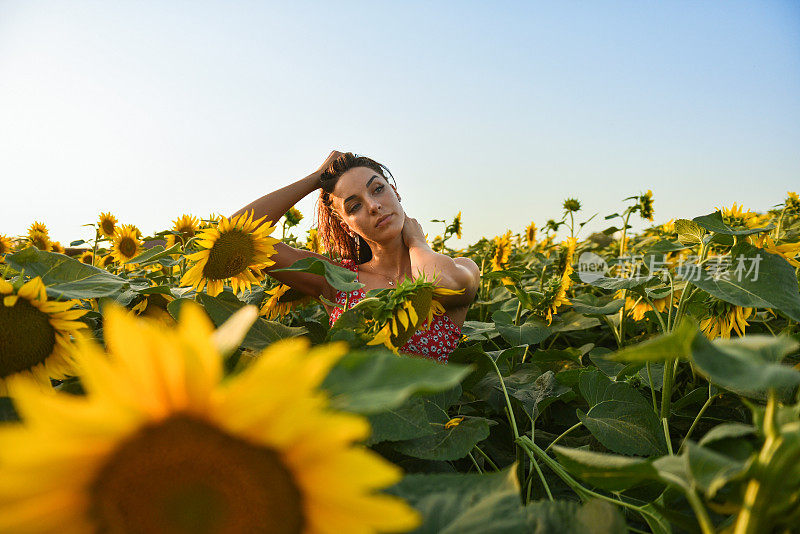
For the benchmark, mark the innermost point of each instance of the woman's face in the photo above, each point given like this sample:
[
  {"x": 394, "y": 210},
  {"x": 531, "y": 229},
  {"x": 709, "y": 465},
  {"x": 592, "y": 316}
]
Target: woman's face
[{"x": 363, "y": 198}]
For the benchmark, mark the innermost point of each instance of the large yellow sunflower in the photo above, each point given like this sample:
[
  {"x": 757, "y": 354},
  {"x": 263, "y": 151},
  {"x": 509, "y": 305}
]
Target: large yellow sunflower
[
  {"x": 35, "y": 333},
  {"x": 126, "y": 245},
  {"x": 282, "y": 299},
  {"x": 187, "y": 225},
  {"x": 502, "y": 250},
  {"x": 723, "y": 317},
  {"x": 236, "y": 250},
  {"x": 107, "y": 224},
  {"x": 160, "y": 443}
]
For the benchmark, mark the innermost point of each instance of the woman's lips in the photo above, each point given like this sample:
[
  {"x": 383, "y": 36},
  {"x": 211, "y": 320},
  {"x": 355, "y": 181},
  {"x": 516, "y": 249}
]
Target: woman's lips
[{"x": 383, "y": 221}]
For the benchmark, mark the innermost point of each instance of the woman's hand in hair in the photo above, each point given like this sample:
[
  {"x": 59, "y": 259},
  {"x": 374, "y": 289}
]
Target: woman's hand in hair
[
  {"x": 333, "y": 156},
  {"x": 412, "y": 233}
]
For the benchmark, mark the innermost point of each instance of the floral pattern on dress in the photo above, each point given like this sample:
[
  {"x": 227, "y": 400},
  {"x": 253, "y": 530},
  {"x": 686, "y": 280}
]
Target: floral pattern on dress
[{"x": 436, "y": 343}]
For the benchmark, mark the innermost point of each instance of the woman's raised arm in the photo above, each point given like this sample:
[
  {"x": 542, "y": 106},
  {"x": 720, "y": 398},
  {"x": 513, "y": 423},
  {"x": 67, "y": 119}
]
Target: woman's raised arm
[{"x": 272, "y": 206}]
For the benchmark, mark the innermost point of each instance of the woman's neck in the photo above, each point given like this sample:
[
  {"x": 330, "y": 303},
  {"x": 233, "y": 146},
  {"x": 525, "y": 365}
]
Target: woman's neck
[{"x": 390, "y": 258}]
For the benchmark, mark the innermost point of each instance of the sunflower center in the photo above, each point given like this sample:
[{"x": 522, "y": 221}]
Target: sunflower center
[
  {"x": 232, "y": 252},
  {"x": 26, "y": 337},
  {"x": 127, "y": 247},
  {"x": 184, "y": 475},
  {"x": 108, "y": 226}
]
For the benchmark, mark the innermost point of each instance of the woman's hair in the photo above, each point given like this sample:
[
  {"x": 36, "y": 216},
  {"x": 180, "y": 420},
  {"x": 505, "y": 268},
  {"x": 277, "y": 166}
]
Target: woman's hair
[{"x": 335, "y": 238}]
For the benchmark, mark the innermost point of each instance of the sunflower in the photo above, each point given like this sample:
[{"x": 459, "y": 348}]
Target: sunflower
[
  {"x": 293, "y": 216},
  {"x": 282, "y": 299},
  {"x": 501, "y": 251},
  {"x": 160, "y": 443},
  {"x": 572, "y": 204},
  {"x": 668, "y": 227},
  {"x": 645, "y": 205},
  {"x": 126, "y": 244},
  {"x": 638, "y": 308},
  {"x": 187, "y": 226},
  {"x": 313, "y": 242},
  {"x": 34, "y": 333},
  {"x": 55, "y": 246},
  {"x": 530, "y": 235},
  {"x": 546, "y": 246},
  {"x": 786, "y": 250},
  {"x": 154, "y": 306},
  {"x": 455, "y": 226},
  {"x": 37, "y": 227},
  {"x": 792, "y": 202},
  {"x": 437, "y": 245},
  {"x": 6, "y": 244},
  {"x": 39, "y": 240},
  {"x": 236, "y": 250},
  {"x": 106, "y": 261},
  {"x": 736, "y": 218},
  {"x": 87, "y": 257},
  {"x": 107, "y": 224},
  {"x": 555, "y": 288},
  {"x": 211, "y": 221},
  {"x": 722, "y": 317},
  {"x": 408, "y": 307}
]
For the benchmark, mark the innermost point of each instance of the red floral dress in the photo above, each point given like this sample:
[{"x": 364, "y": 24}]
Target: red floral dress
[{"x": 435, "y": 343}]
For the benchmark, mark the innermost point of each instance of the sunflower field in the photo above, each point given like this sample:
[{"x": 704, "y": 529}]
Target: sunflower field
[{"x": 610, "y": 383}]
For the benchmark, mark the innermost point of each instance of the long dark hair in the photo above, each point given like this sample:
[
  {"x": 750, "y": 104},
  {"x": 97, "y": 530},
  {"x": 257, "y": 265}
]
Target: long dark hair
[{"x": 335, "y": 238}]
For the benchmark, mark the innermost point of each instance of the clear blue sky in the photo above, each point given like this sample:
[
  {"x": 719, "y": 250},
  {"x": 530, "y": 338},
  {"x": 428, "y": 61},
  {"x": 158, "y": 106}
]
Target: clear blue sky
[{"x": 496, "y": 109}]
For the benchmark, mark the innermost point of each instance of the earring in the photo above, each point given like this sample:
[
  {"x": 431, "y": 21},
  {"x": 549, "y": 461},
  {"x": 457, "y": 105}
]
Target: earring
[{"x": 358, "y": 248}]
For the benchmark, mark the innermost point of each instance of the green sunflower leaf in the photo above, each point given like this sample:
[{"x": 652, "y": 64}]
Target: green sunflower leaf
[
  {"x": 754, "y": 278},
  {"x": 340, "y": 278},
  {"x": 456, "y": 503},
  {"x": 262, "y": 334},
  {"x": 155, "y": 254},
  {"x": 374, "y": 381},
  {"x": 66, "y": 277},
  {"x": 713, "y": 223},
  {"x": 748, "y": 366}
]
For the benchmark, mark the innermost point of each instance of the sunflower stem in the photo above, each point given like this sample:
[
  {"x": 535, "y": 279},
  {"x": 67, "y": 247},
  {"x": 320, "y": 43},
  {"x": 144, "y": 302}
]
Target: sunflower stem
[
  {"x": 671, "y": 301},
  {"x": 652, "y": 389},
  {"x": 647, "y": 299},
  {"x": 613, "y": 330},
  {"x": 486, "y": 457},
  {"x": 94, "y": 247},
  {"x": 567, "y": 431},
  {"x": 778, "y": 228},
  {"x": 697, "y": 419},
  {"x": 480, "y": 471}
]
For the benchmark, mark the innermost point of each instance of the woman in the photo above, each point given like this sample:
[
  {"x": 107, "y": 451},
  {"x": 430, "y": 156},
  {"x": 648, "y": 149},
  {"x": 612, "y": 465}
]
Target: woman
[{"x": 360, "y": 220}]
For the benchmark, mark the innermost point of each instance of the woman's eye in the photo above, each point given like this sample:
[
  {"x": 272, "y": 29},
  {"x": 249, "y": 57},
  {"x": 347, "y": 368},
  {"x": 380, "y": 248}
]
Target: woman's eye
[{"x": 354, "y": 207}]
